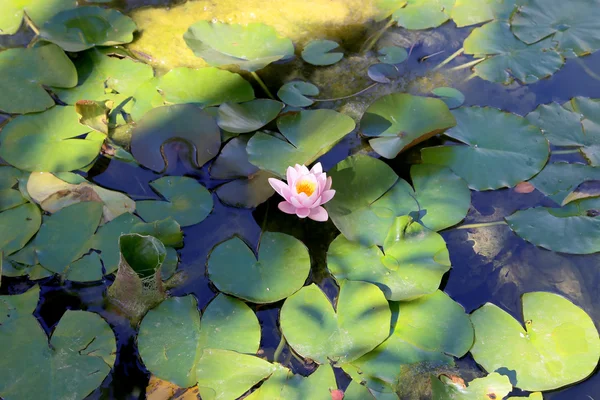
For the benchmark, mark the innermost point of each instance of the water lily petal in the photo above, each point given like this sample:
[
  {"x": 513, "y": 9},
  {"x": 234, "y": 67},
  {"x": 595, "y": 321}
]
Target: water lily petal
[
  {"x": 318, "y": 214},
  {"x": 295, "y": 202},
  {"x": 328, "y": 184},
  {"x": 326, "y": 196},
  {"x": 281, "y": 187},
  {"x": 317, "y": 169},
  {"x": 322, "y": 179},
  {"x": 302, "y": 170},
  {"x": 287, "y": 207},
  {"x": 292, "y": 175},
  {"x": 304, "y": 212}
]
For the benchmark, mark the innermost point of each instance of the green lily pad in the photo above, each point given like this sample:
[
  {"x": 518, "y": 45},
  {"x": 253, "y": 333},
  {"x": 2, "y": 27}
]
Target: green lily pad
[
  {"x": 167, "y": 231},
  {"x": 557, "y": 180},
  {"x": 392, "y": 55},
  {"x": 94, "y": 114},
  {"x": 64, "y": 236},
  {"x": 251, "y": 47},
  {"x": 82, "y": 28},
  {"x": 281, "y": 269},
  {"x": 386, "y": 8},
  {"x": 184, "y": 122},
  {"x": 294, "y": 93},
  {"x": 70, "y": 364},
  {"x": 188, "y": 202},
  {"x": 225, "y": 374},
  {"x": 250, "y": 186},
  {"x": 431, "y": 328},
  {"x": 315, "y": 330},
  {"x": 502, "y": 149},
  {"x": 17, "y": 226},
  {"x": 423, "y": 14},
  {"x": 586, "y": 190},
  {"x": 10, "y": 197},
  {"x": 507, "y": 58},
  {"x": 412, "y": 263},
  {"x": 577, "y": 223},
  {"x": 172, "y": 336},
  {"x": 247, "y": 117},
  {"x": 383, "y": 73},
  {"x": 559, "y": 345},
  {"x": 106, "y": 240},
  {"x": 473, "y": 12},
  {"x": 53, "y": 194},
  {"x": 392, "y": 121},
  {"x": 356, "y": 391},
  {"x": 87, "y": 269},
  {"x": 532, "y": 396},
  {"x": 452, "y": 97},
  {"x": 48, "y": 141},
  {"x": 104, "y": 78},
  {"x": 320, "y": 52},
  {"x": 573, "y": 26},
  {"x": 284, "y": 385},
  {"x": 27, "y": 71},
  {"x": 38, "y": 11},
  {"x": 204, "y": 87},
  {"x": 309, "y": 134},
  {"x": 493, "y": 386}
]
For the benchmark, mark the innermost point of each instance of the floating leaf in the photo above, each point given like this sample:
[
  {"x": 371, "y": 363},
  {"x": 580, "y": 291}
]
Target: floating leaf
[
  {"x": 64, "y": 236},
  {"x": 452, "y": 97},
  {"x": 283, "y": 384},
  {"x": 508, "y": 58},
  {"x": 559, "y": 345},
  {"x": 557, "y": 180},
  {"x": 532, "y": 396},
  {"x": 573, "y": 26},
  {"x": 294, "y": 93},
  {"x": 423, "y": 14},
  {"x": 586, "y": 190},
  {"x": 473, "y": 12},
  {"x": 172, "y": 338},
  {"x": 247, "y": 117},
  {"x": 25, "y": 72},
  {"x": 105, "y": 78},
  {"x": 39, "y": 12},
  {"x": 250, "y": 186},
  {"x": 48, "y": 142},
  {"x": 204, "y": 87},
  {"x": 53, "y": 194},
  {"x": 392, "y": 121},
  {"x": 309, "y": 134},
  {"x": 184, "y": 122},
  {"x": 502, "y": 149},
  {"x": 392, "y": 55},
  {"x": 82, "y": 28},
  {"x": 430, "y": 328},
  {"x": 320, "y": 52},
  {"x": 493, "y": 386},
  {"x": 281, "y": 269},
  {"x": 577, "y": 223},
  {"x": 17, "y": 226},
  {"x": 167, "y": 231},
  {"x": 9, "y": 197},
  {"x": 106, "y": 240},
  {"x": 251, "y": 47},
  {"x": 412, "y": 263},
  {"x": 94, "y": 114},
  {"x": 356, "y": 391},
  {"x": 383, "y": 73},
  {"x": 71, "y": 364},
  {"x": 386, "y": 8},
  {"x": 315, "y": 330},
  {"x": 188, "y": 202}
]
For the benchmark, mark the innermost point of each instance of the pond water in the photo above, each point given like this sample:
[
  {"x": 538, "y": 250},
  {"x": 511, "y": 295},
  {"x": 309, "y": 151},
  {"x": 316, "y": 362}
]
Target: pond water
[{"x": 489, "y": 264}]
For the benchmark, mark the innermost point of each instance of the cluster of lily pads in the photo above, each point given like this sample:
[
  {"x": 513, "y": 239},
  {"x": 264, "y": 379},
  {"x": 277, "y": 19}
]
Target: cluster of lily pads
[{"x": 74, "y": 98}]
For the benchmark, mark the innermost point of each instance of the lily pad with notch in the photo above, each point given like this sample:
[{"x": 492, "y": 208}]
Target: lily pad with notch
[
  {"x": 187, "y": 201},
  {"x": 423, "y": 14},
  {"x": 247, "y": 117},
  {"x": 559, "y": 179},
  {"x": 473, "y": 12},
  {"x": 321, "y": 52},
  {"x": 309, "y": 134},
  {"x": 280, "y": 270},
  {"x": 559, "y": 345},
  {"x": 392, "y": 55},
  {"x": 284, "y": 384},
  {"x": 392, "y": 125},
  {"x": 383, "y": 73},
  {"x": 452, "y": 97},
  {"x": 294, "y": 93}
]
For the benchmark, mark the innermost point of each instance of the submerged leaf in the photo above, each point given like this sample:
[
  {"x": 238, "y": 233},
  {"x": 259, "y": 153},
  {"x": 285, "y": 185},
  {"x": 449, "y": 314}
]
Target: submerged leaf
[
  {"x": 82, "y": 28},
  {"x": 452, "y": 97},
  {"x": 383, "y": 73},
  {"x": 281, "y": 269},
  {"x": 559, "y": 345}
]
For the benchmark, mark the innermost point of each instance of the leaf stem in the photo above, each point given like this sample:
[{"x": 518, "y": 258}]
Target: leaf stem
[
  {"x": 371, "y": 42},
  {"x": 570, "y": 151},
  {"x": 262, "y": 84},
  {"x": 350, "y": 95},
  {"x": 279, "y": 349},
  {"x": 452, "y": 57},
  {"x": 431, "y": 55},
  {"x": 467, "y": 65},
  {"x": 468, "y": 78},
  {"x": 31, "y": 25},
  {"x": 481, "y": 225}
]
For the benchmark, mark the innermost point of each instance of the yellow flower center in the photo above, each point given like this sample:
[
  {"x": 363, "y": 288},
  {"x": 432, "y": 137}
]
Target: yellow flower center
[{"x": 306, "y": 186}]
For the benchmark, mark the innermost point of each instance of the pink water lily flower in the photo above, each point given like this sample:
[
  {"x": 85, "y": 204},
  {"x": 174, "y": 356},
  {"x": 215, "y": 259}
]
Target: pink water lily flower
[{"x": 305, "y": 192}]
